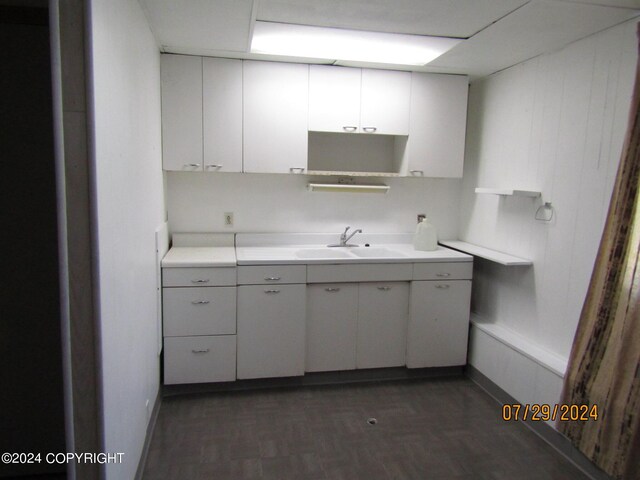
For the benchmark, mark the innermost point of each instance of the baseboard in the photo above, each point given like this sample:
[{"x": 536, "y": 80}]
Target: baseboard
[
  {"x": 546, "y": 432},
  {"x": 316, "y": 379},
  {"x": 149, "y": 435}
]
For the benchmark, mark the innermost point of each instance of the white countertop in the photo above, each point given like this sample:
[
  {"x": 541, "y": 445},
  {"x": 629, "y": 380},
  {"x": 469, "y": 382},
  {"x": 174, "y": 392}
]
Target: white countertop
[
  {"x": 200, "y": 257},
  {"x": 306, "y": 248}
]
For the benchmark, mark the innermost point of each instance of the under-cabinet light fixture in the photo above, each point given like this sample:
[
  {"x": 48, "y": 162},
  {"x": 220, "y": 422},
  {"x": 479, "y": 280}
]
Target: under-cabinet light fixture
[
  {"x": 349, "y": 45},
  {"x": 347, "y": 188}
]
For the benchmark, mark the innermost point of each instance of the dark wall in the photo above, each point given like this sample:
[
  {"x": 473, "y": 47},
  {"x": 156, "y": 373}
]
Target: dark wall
[{"x": 31, "y": 392}]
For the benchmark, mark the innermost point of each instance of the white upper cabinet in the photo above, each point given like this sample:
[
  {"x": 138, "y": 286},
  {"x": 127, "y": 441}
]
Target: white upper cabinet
[
  {"x": 354, "y": 100},
  {"x": 385, "y": 100},
  {"x": 275, "y": 113},
  {"x": 181, "y": 78},
  {"x": 435, "y": 147},
  {"x": 334, "y": 99},
  {"x": 222, "y": 114}
]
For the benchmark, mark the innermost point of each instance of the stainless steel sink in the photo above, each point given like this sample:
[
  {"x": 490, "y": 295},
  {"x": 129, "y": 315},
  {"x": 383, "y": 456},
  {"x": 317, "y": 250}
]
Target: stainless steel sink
[
  {"x": 376, "y": 252},
  {"x": 322, "y": 253}
]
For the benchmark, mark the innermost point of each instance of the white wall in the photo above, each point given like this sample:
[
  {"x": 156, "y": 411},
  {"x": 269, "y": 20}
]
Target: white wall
[
  {"x": 281, "y": 203},
  {"x": 130, "y": 205},
  {"x": 556, "y": 124}
]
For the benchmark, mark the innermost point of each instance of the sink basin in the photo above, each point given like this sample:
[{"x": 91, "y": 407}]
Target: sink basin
[
  {"x": 322, "y": 253},
  {"x": 376, "y": 252}
]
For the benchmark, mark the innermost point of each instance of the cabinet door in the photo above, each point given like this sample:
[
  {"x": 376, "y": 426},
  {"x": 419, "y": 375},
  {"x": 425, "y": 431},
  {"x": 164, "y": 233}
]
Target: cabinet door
[
  {"x": 271, "y": 330},
  {"x": 222, "y": 114},
  {"x": 385, "y": 101},
  {"x": 435, "y": 147},
  {"x": 332, "y": 319},
  {"x": 438, "y": 324},
  {"x": 383, "y": 310},
  {"x": 275, "y": 111},
  {"x": 181, "y": 79},
  {"x": 334, "y": 99}
]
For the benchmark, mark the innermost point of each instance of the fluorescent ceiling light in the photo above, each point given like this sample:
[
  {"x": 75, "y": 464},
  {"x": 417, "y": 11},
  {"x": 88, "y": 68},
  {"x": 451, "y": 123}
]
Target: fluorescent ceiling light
[{"x": 352, "y": 45}]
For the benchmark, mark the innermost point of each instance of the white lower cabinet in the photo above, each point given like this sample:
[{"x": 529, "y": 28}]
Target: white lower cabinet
[
  {"x": 383, "y": 311},
  {"x": 439, "y": 323},
  {"x": 199, "y": 359},
  {"x": 332, "y": 322},
  {"x": 271, "y": 330}
]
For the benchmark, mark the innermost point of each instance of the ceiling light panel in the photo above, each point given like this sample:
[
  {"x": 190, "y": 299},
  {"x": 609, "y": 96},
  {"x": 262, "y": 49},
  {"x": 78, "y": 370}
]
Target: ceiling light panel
[{"x": 350, "y": 45}]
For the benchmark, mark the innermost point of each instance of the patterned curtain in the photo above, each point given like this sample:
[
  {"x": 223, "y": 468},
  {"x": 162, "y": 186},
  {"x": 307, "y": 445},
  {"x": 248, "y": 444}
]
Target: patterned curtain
[{"x": 604, "y": 366}]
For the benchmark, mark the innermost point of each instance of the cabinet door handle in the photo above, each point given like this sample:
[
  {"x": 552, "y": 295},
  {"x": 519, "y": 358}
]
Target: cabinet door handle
[
  {"x": 369, "y": 129},
  {"x": 331, "y": 289},
  {"x": 349, "y": 128},
  {"x": 443, "y": 287},
  {"x": 272, "y": 279},
  {"x": 296, "y": 169},
  {"x": 214, "y": 165},
  {"x": 200, "y": 302},
  {"x": 385, "y": 289},
  {"x": 417, "y": 173},
  {"x": 272, "y": 291},
  {"x": 441, "y": 275},
  {"x": 206, "y": 280},
  {"x": 200, "y": 351},
  {"x": 192, "y": 165}
]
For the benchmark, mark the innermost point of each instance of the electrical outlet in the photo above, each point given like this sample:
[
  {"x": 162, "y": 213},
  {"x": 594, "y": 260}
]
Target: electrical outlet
[{"x": 228, "y": 219}]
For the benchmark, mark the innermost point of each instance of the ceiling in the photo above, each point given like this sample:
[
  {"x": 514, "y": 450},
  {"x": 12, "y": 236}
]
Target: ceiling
[{"x": 497, "y": 33}]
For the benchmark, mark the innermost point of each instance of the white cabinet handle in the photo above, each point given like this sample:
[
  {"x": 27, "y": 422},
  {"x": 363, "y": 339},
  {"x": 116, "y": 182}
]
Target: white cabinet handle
[
  {"x": 200, "y": 351},
  {"x": 272, "y": 291},
  {"x": 369, "y": 129},
  {"x": 386, "y": 289},
  {"x": 206, "y": 280},
  {"x": 272, "y": 279},
  {"x": 443, "y": 287},
  {"x": 441, "y": 275},
  {"x": 330, "y": 289},
  {"x": 296, "y": 169},
  {"x": 417, "y": 172},
  {"x": 349, "y": 128},
  {"x": 214, "y": 165},
  {"x": 192, "y": 165},
  {"x": 201, "y": 302}
]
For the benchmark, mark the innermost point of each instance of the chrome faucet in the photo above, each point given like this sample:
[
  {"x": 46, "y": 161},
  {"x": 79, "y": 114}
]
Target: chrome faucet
[{"x": 344, "y": 238}]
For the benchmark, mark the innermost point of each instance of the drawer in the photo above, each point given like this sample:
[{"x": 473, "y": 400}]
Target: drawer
[
  {"x": 199, "y": 359},
  {"x": 199, "y": 311},
  {"x": 443, "y": 271},
  {"x": 198, "y": 277},
  {"x": 271, "y": 274},
  {"x": 359, "y": 273}
]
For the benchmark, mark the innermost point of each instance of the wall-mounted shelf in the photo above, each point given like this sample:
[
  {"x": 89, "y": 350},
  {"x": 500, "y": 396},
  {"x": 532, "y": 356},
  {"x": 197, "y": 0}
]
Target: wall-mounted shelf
[
  {"x": 486, "y": 253},
  {"x": 347, "y": 188},
  {"x": 509, "y": 192}
]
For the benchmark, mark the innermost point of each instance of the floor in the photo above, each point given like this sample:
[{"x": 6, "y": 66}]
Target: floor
[{"x": 427, "y": 429}]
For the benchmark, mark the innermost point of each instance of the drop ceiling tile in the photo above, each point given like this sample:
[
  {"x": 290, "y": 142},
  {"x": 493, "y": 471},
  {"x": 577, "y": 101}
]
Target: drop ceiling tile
[
  {"x": 200, "y": 24},
  {"x": 451, "y": 18},
  {"x": 538, "y": 27}
]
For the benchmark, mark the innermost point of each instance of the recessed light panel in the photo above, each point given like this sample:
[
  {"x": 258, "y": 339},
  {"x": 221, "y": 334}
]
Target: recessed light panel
[{"x": 349, "y": 45}]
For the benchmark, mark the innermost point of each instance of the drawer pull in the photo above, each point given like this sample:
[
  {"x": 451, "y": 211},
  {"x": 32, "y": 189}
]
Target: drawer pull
[
  {"x": 194, "y": 165},
  {"x": 441, "y": 275},
  {"x": 331, "y": 289},
  {"x": 272, "y": 291},
  {"x": 200, "y": 351},
  {"x": 200, "y": 302},
  {"x": 418, "y": 173},
  {"x": 296, "y": 169},
  {"x": 205, "y": 280},
  {"x": 214, "y": 165},
  {"x": 349, "y": 128},
  {"x": 385, "y": 289},
  {"x": 369, "y": 129},
  {"x": 442, "y": 286},
  {"x": 272, "y": 279}
]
